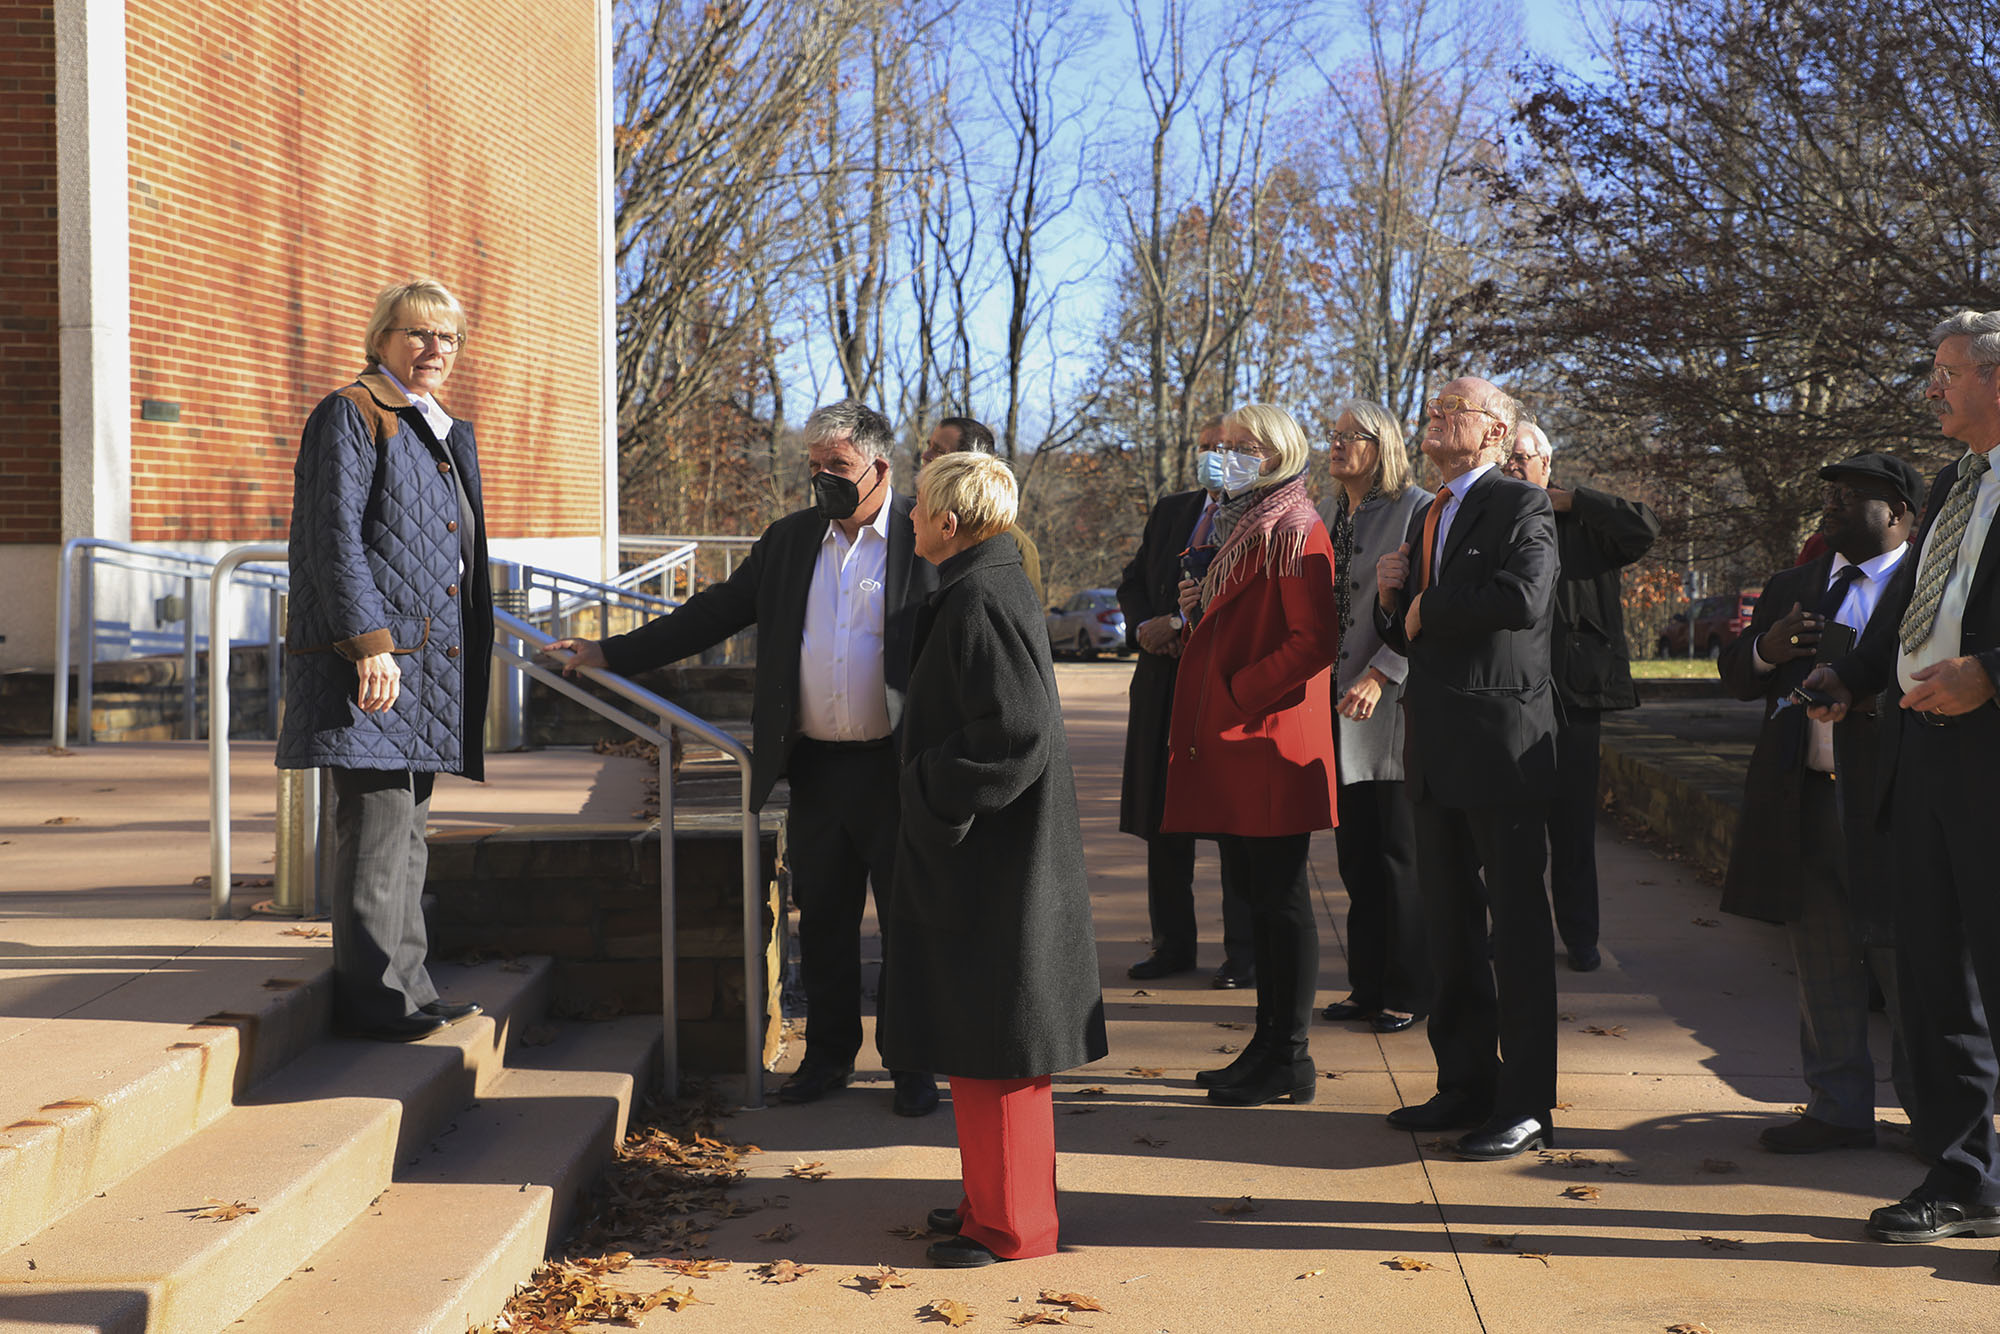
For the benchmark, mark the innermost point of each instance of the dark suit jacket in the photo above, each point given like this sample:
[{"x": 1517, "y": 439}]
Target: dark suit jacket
[
  {"x": 1150, "y": 587},
  {"x": 1871, "y": 668},
  {"x": 768, "y": 590},
  {"x": 1479, "y": 707},
  {"x": 1599, "y": 536},
  {"x": 1763, "y": 880}
]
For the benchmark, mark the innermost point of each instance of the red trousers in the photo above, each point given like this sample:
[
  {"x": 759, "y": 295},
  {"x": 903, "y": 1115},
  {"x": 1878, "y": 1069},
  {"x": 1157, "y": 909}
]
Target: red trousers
[{"x": 1007, "y": 1157}]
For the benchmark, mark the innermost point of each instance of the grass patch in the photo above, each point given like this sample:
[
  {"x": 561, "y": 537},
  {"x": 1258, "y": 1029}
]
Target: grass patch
[{"x": 1674, "y": 669}]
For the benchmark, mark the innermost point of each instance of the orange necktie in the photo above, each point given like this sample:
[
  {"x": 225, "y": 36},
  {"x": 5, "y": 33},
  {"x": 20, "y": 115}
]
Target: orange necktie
[{"x": 1430, "y": 536}]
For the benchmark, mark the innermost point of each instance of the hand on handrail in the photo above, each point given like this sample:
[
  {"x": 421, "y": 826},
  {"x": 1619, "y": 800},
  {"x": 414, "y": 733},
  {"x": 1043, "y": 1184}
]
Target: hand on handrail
[{"x": 582, "y": 653}]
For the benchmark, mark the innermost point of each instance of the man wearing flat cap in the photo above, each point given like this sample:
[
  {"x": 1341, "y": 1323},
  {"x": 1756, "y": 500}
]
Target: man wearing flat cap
[{"x": 1807, "y": 852}]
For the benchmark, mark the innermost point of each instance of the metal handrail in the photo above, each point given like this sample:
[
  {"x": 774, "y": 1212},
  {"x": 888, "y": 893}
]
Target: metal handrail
[
  {"x": 661, "y": 567},
  {"x": 185, "y": 564},
  {"x": 218, "y": 722},
  {"x": 568, "y": 593}
]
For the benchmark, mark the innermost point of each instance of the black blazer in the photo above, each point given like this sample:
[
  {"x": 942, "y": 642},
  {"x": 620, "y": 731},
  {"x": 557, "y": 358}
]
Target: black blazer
[
  {"x": 768, "y": 590},
  {"x": 1762, "y": 880},
  {"x": 1599, "y": 536},
  {"x": 1150, "y": 587},
  {"x": 1479, "y": 705},
  {"x": 1871, "y": 668}
]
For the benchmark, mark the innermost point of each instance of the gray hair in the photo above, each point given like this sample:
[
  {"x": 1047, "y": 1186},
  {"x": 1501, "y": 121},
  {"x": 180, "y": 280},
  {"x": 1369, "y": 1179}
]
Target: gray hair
[
  {"x": 1502, "y": 406},
  {"x": 1983, "y": 327},
  {"x": 1392, "y": 455},
  {"x": 1529, "y": 432},
  {"x": 855, "y": 422}
]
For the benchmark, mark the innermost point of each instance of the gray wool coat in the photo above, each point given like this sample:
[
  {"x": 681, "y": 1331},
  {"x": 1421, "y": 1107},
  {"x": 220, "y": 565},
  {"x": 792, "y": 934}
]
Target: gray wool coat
[
  {"x": 1371, "y": 751},
  {"x": 995, "y": 968}
]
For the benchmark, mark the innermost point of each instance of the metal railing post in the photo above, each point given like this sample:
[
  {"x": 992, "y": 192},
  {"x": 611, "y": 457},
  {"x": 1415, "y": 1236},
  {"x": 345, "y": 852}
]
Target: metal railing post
[
  {"x": 190, "y": 660},
  {"x": 296, "y": 827},
  {"x": 65, "y": 632},
  {"x": 87, "y": 661},
  {"x": 218, "y": 721},
  {"x": 509, "y": 689},
  {"x": 274, "y": 664},
  {"x": 670, "y": 924}
]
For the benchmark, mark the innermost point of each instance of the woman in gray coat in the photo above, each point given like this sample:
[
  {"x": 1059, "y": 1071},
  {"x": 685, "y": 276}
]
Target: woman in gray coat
[
  {"x": 1368, "y": 514},
  {"x": 995, "y": 977}
]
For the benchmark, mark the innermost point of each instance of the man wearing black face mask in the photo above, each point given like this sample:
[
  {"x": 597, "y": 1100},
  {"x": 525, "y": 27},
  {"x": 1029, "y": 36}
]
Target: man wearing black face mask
[{"x": 833, "y": 590}]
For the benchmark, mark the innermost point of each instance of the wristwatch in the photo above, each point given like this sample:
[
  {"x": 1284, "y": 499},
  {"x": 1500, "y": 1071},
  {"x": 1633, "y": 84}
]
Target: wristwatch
[{"x": 1177, "y": 621}]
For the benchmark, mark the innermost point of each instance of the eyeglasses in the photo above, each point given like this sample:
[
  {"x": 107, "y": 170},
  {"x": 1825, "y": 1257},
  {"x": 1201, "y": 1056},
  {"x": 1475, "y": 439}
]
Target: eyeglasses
[
  {"x": 447, "y": 342},
  {"x": 1446, "y": 404},
  {"x": 1351, "y": 438}
]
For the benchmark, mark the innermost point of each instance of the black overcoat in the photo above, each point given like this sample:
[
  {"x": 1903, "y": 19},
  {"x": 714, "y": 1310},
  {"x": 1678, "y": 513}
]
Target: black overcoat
[
  {"x": 1597, "y": 537},
  {"x": 1150, "y": 588},
  {"x": 995, "y": 972}
]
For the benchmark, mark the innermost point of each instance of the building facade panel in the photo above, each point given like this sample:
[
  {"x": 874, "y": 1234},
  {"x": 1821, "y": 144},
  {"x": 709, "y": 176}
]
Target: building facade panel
[{"x": 30, "y": 298}]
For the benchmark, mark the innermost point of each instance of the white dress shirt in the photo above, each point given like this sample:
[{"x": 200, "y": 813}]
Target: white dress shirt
[
  {"x": 842, "y": 695},
  {"x": 434, "y": 415},
  {"x": 1949, "y": 627},
  {"x": 1449, "y": 496},
  {"x": 1856, "y": 606}
]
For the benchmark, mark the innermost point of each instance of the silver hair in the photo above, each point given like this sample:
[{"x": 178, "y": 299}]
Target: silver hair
[
  {"x": 1529, "y": 432},
  {"x": 855, "y": 422},
  {"x": 1983, "y": 327},
  {"x": 1392, "y": 456},
  {"x": 1503, "y": 406}
]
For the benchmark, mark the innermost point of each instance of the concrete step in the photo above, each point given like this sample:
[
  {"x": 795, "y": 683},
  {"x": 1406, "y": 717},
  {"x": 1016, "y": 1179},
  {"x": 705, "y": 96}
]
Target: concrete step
[
  {"x": 444, "y": 1247},
  {"x": 309, "y": 1148}
]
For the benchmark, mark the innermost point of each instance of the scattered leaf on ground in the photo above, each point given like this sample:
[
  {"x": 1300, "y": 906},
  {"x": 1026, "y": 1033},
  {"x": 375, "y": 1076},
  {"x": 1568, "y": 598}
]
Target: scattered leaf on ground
[
  {"x": 1439, "y": 1145},
  {"x": 1567, "y": 1018},
  {"x": 1581, "y": 1193},
  {"x": 1075, "y": 1301},
  {"x": 64, "y": 819},
  {"x": 1144, "y": 1072},
  {"x": 782, "y": 1271},
  {"x": 880, "y": 1280},
  {"x": 562, "y": 1295},
  {"x": 908, "y": 1233},
  {"x": 809, "y": 1171},
  {"x": 1226, "y": 1048},
  {"x": 1707, "y": 921},
  {"x": 1564, "y": 1106},
  {"x": 781, "y": 1233},
  {"x": 949, "y": 1310},
  {"x": 1142, "y": 993},
  {"x": 1623, "y": 1171},
  {"x": 1409, "y": 1262},
  {"x": 1721, "y": 1243},
  {"x": 1329, "y": 1074},
  {"x": 1568, "y": 1158},
  {"x": 1094, "y": 1092},
  {"x": 1535, "y": 1255},
  {"x": 1719, "y": 1166},
  {"x": 675, "y": 1299},
  {"x": 1689, "y": 1327},
  {"x": 694, "y": 1268},
  {"x": 307, "y": 932},
  {"x": 222, "y": 1211},
  {"x": 1229, "y": 1023},
  {"x": 1042, "y": 1318},
  {"x": 1312, "y": 1273},
  {"x": 539, "y": 1035},
  {"x": 1150, "y": 1142},
  {"x": 1615, "y": 1031},
  {"x": 1246, "y": 1205},
  {"x": 1500, "y": 1243},
  {"x": 1799, "y": 1109}
]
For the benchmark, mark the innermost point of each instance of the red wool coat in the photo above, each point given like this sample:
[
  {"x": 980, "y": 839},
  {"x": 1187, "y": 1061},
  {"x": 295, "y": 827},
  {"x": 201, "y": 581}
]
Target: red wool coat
[{"x": 1251, "y": 745}]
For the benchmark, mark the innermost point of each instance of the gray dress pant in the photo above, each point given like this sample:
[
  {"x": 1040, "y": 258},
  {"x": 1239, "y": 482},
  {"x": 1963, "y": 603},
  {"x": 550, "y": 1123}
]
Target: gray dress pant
[{"x": 379, "y": 858}]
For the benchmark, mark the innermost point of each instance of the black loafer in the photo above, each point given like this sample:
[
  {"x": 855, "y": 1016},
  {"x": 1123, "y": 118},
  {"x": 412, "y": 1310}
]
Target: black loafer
[
  {"x": 451, "y": 1011},
  {"x": 947, "y": 1221},
  {"x": 812, "y": 1083},
  {"x": 1809, "y": 1134},
  {"x": 1158, "y": 965},
  {"x": 1294, "y": 1081},
  {"x": 1921, "y": 1218},
  {"x": 407, "y": 1029},
  {"x": 1342, "y": 1010},
  {"x": 916, "y": 1094},
  {"x": 1507, "y": 1136},
  {"x": 1442, "y": 1112},
  {"x": 1585, "y": 960},
  {"x": 1384, "y": 1022},
  {"x": 960, "y": 1253},
  {"x": 1233, "y": 976}
]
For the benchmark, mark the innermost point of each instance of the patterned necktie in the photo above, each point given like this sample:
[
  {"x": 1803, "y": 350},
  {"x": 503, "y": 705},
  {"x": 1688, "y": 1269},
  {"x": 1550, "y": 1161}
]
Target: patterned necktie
[{"x": 1942, "y": 554}]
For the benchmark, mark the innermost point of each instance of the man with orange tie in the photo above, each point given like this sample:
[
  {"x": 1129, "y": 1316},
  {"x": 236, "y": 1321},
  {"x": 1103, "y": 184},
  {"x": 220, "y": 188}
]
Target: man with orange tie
[{"x": 1468, "y": 599}]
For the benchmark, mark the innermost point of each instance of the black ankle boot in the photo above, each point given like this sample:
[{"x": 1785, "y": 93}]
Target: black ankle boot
[
  {"x": 1247, "y": 1063},
  {"x": 1296, "y": 1081}
]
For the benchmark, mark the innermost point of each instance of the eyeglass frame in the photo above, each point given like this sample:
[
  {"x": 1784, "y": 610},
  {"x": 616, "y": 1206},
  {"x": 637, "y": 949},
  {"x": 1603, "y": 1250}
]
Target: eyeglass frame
[
  {"x": 1442, "y": 406},
  {"x": 446, "y": 340},
  {"x": 1352, "y": 438}
]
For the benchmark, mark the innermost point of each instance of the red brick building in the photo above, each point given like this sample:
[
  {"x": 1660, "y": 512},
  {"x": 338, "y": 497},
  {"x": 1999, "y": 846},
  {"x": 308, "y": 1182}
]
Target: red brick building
[{"x": 198, "y": 202}]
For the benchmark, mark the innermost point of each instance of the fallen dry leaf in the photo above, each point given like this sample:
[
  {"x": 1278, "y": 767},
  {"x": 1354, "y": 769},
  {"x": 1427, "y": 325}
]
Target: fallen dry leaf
[
  {"x": 693, "y": 1268},
  {"x": 1142, "y": 993},
  {"x": 949, "y": 1310},
  {"x": 1721, "y": 1243},
  {"x": 307, "y": 932},
  {"x": 809, "y": 1171},
  {"x": 1312, "y": 1273},
  {"x": 1042, "y": 1318},
  {"x": 1689, "y": 1327},
  {"x": 880, "y": 1280},
  {"x": 675, "y": 1299},
  {"x": 1623, "y": 1171},
  {"x": 1719, "y": 1166},
  {"x": 1144, "y": 1072},
  {"x": 1329, "y": 1074},
  {"x": 1410, "y": 1263},
  {"x": 1707, "y": 921},
  {"x": 908, "y": 1233},
  {"x": 1439, "y": 1145},
  {"x": 1075, "y": 1301},
  {"x": 782, "y": 1271},
  {"x": 783, "y": 1232},
  {"x": 1568, "y": 1158},
  {"x": 282, "y": 983},
  {"x": 1564, "y": 1106},
  {"x": 1567, "y": 1017},
  {"x": 1535, "y": 1255},
  {"x": 1150, "y": 1142},
  {"x": 1581, "y": 1193},
  {"x": 1229, "y": 1023},
  {"x": 1226, "y": 1048},
  {"x": 64, "y": 819},
  {"x": 222, "y": 1211},
  {"x": 539, "y": 1035},
  {"x": 1094, "y": 1092},
  {"x": 1235, "y": 1208},
  {"x": 1615, "y": 1031}
]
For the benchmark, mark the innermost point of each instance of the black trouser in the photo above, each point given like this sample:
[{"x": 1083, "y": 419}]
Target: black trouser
[
  {"x": 1493, "y": 1025},
  {"x": 1947, "y": 897},
  {"x": 1170, "y": 902},
  {"x": 379, "y": 861},
  {"x": 1271, "y": 875},
  {"x": 1573, "y": 828},
  {"x": 840, "y": 831},
  {"x": 1388, "y": 953}
]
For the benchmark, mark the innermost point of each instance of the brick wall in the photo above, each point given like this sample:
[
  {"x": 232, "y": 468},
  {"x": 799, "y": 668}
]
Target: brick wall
[
  {"x": 288, "y": 159},
  {"x": 30, "y": 369}
]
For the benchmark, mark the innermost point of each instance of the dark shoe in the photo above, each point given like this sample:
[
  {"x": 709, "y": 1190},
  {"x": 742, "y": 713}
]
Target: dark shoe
[
  {"x": 959, "y": 1253},
  {"x": 1809, "y": 1134},
  {"x": 947, "y": 1221},
  {"x": 1342, "y": 1010},
  {"x": 1294, "y": 1081},
  {"x": 451, "y": 1011},
  {"x": 812, "y": 1083},
  {"x": 1442, "y": 1112},
  {"x": 1585, "y": 960},
  {"x": 1247, "y": 1063},
  {"x": 1920, "y": 1218},
  {"x": 916, "y": 1094},
  {"x": 1506, "y": 1136},
  {"x": 407, "y": 1029},
  {"x": 1385, "y": 1022},
  {"x": 1158, "y": 965},
  {"x": 1233, "y": 976}
]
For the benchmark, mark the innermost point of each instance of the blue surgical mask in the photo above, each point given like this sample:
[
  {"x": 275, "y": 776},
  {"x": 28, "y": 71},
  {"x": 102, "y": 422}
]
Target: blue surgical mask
[{"x": 1226, "y": 470}]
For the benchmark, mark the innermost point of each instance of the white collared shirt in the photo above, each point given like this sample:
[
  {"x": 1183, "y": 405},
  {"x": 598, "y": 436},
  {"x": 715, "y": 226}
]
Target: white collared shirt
[
  {"x": 434, "y": 415},
  {"x": 842, "y": 695},
  {"x": 1856, "y": 606},
  {"x": 1949, "y": 628},
  {"x": 1449, "y": 496}
]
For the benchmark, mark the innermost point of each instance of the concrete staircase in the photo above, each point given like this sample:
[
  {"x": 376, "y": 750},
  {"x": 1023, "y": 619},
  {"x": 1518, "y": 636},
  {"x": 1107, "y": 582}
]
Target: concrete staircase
[{"x": 194, "y": 1150}]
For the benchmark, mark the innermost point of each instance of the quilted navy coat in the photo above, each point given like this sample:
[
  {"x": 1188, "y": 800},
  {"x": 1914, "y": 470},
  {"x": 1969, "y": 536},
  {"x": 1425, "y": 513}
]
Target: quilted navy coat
[{"x": 380, "y": 561}]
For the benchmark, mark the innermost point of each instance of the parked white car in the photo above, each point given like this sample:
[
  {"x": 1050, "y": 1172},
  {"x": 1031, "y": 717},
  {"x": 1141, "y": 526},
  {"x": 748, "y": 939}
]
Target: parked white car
[{"x": 1088, "y": 624}]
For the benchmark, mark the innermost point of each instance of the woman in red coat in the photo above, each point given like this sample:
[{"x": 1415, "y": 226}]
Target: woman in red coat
[{"x": 1250, "y": 757}]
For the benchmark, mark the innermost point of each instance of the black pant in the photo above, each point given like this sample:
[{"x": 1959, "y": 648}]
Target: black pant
[
  {"x": 840, "y": 831},
  {"x": 1493, "y": 1024},
  {"x": 1948, "y": 951},
  {"x": 379, "y": 861},
  {"x": 1573, "y": 828},
  {"x": 1388, "y": 953},
  {"x": 1271, "y": 875},
  {"x": 1170, "y": 902}
]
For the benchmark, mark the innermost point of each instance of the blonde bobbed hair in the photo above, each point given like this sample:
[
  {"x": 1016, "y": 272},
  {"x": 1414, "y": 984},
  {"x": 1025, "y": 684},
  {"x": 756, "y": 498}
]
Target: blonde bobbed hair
[
  {"x": 425, "y": 299},
  {"x": 978, "y": 488},
  {"x": 1277, "y": 430}
]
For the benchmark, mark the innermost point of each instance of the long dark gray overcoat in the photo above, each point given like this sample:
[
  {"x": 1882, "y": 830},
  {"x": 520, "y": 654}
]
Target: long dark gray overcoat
[{"x": 995, "y": 974}]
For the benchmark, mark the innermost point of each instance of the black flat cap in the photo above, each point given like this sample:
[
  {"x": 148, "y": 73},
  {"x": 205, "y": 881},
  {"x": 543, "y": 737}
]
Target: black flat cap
[{"x": 1905, "y": 480}]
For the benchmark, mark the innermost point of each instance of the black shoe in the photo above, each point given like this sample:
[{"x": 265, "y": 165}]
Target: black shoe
[
  {"x": 916, "y": 1094},
  {"x": 1585, "y": 960},
  {"x": 1442, "y": 1112},
  {"x": 407, "y": 1029},
  {"x": 1233, "y": 976},
  {"x": 451, "y": 1011},
  {"x": 1159, "y": 965},
  {"x": 1342, "y": 1010},
  {"x": 1918, "y": 1217},
  {"x": 1247, "y": 1063},
  {"x": 812, "y": 1083},
  {"x": 1809, "y": 1134},
  {"x": 1294, "y": 1081},
  {"x": 1506, "y": 1136},
  {"x": 947, "y": 1221},
  {"x": 1385, "y": 1022},
  {"x": 959, "y": 1253}
]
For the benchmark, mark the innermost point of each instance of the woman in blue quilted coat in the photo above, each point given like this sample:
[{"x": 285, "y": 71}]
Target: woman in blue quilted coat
[{"x": 389, "y": 646}]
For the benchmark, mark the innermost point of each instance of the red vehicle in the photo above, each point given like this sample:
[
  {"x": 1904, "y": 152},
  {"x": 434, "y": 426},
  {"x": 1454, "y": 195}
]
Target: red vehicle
[{"x": 1717, "y": 621}]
